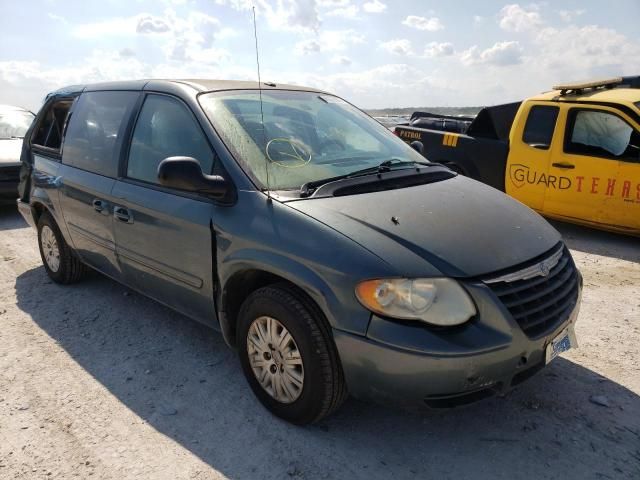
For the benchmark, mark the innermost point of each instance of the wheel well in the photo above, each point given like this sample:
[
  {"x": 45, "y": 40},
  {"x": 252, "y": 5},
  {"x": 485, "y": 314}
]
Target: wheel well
[
  {"x": 37, "y": 210},
  {"x": 237, "y": 289}
]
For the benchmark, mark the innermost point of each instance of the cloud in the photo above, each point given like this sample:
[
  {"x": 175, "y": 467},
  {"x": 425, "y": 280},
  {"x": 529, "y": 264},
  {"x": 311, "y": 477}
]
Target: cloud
[
  {"x": 400, "y": 46},
  {"x": 381, "y": 86},
  {"x": 341, "y": 60},
  {"x": 435, "y": 49},
  {"x": 329, "y": 41},
  {"x": 500, "y": 54},
  {"x": 350, "y": 11},
  {"x": 57, "y": 18},
  {"x": 111, "y": 27},
  {"x": 570, "y": 15},
  {"x": 432, "y": 24},
  {"x": 151, "y": 24},
  {"x": 306, "y": 47},
  {"x": 574, "y": 52},
  {"x": 183, "y": 38},
  {"x": 127, "y": 52},
  {"x": 376, "y": 6},
  {"x": 333, "y": 3},
  {"x": 290, "y": 15},
  {"x": 514, "y": 18}
]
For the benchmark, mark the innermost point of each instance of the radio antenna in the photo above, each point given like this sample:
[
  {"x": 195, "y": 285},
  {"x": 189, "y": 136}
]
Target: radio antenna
[{"x": 264, "y": 133}]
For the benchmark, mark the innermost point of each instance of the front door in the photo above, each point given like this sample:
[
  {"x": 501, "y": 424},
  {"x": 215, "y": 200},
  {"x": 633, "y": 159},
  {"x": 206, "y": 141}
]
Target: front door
[
  {"x": 164, "y": 237},
  {"x": 530, "y": 142},
  {"x": 598, "y": 154},
  {"x": 626, "y": 211}
]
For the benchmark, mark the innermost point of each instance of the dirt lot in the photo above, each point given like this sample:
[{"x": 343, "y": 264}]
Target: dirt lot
[{"x": 99, "y": 381}]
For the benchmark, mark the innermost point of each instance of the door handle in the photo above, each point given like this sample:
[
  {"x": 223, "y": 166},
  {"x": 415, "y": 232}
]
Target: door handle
[
  {"x": 566, "y": 166},
  {"x": 540, "y": 146},
  {"x": 99, "y": 205},
  {"x": 122, "y": 214}
]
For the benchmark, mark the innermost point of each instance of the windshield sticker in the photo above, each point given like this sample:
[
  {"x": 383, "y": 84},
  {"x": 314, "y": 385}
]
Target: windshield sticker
[{"x": 521, "y": 175}]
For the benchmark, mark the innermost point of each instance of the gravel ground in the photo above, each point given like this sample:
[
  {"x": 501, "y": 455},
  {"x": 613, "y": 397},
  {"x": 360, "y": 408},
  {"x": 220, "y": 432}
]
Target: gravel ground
[{"x": 97, "y": 381}]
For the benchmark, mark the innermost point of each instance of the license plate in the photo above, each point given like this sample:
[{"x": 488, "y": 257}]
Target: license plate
[{"x": 561, "y": 343}]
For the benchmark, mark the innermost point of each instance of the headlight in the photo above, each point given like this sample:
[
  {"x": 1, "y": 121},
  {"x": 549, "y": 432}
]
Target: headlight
[{"x": 438, "y": 301}]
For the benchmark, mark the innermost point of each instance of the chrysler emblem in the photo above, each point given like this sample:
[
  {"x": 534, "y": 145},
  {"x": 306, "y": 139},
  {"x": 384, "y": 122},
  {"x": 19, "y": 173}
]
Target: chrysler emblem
[{"x": 544, "y": 269}]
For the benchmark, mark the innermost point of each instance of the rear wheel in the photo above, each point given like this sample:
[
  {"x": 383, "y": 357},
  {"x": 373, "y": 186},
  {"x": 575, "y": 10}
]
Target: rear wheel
[
  {"x": 288, "y": 355},
  {"x": 60, "y": 262}
]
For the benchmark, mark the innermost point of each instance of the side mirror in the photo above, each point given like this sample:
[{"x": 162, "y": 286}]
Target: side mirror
[
  {"x": 417, "y": 146},
  {"x": 185, "y": 173}
]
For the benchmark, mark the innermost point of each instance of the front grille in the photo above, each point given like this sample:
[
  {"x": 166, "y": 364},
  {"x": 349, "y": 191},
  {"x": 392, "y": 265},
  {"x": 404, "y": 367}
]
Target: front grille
[
  {"x": 9, "y": 174},
  {"x": 539, "y": 303}
]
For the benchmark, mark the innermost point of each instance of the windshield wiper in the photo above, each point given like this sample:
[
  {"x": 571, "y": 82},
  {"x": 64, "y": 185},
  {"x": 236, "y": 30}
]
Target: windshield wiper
[{"x": 308, "y": 188}]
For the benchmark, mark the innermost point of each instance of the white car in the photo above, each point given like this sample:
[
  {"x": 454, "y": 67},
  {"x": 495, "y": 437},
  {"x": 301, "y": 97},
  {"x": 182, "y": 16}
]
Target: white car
[{"x": 14, "y": 123}]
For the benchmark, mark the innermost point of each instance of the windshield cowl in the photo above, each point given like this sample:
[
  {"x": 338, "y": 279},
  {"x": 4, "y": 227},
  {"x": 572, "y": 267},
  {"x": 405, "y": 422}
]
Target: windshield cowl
[
  {"x": 372, "y": 182},
  {"x": 393, "y": 164}
]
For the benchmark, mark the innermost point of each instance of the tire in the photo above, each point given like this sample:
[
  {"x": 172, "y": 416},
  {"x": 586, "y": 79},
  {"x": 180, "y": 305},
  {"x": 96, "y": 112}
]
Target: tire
[
  {"x": 323, "y": 387},
  {"x": 68, "y": 268}
]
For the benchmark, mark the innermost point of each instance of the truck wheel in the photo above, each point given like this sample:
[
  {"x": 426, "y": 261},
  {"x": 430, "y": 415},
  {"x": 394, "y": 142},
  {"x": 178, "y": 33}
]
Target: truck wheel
[
  {"x": 60, "y": 262},
  {"x": 288, "y": 355}
]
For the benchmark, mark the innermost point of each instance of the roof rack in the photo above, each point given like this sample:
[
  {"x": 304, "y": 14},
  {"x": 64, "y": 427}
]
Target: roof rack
[{"x": 579, "y": 87}]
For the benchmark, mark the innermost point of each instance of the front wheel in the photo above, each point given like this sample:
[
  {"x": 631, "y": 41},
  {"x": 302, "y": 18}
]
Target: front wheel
[{"x": 288, "y": 355}]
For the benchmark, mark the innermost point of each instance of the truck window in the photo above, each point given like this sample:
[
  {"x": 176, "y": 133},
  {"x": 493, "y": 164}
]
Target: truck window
[
  {"x": 601, "y": 134},
  {"x": 541, "y": 122},
  {"x": 48, "y": 133},
  {"x": 165, "y": 128},
  {"x": 95, "y": 129}
]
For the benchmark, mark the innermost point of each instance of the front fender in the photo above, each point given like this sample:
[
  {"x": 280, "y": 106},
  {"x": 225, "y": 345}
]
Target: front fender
[{"x": 331, "y": 290}]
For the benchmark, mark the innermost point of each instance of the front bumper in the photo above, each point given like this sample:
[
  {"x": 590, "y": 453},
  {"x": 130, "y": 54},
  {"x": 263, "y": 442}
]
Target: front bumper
[
  {"x": 8, "y": 192},
  {"x": 9, "y": 180},
  {"x": 410, "y": 364}
]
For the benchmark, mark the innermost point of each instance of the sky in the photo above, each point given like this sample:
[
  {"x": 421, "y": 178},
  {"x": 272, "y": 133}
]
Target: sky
[{"x": 374, "y": 53}]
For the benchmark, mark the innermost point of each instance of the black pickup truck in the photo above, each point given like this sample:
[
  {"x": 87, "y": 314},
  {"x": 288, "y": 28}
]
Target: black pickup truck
[{"x": 474, "y": 146}]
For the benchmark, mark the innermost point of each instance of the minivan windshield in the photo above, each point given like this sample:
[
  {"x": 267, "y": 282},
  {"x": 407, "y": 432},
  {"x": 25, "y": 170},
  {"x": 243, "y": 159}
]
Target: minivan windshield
[
  {"x": 15, "y": 123},
  {"x": 307, "y": 136}
]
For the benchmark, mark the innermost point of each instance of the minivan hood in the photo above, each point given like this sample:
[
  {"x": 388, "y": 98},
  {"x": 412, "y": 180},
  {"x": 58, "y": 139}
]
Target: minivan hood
[
  {"x": 460, "y": 227},
  {"x": 10, "y": 150}
]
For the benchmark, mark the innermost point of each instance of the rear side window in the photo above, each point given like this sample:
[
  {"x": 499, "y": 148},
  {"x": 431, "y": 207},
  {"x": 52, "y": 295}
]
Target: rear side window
[
  {"x": 95, "y": 131},
  {"x": 165, "y": 128},
  {"x": 541, "y": 122},
  {"x": 48, "y": 133}
]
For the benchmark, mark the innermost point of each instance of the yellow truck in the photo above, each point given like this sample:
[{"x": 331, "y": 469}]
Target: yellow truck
[{"x": 572, "y": 153}]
